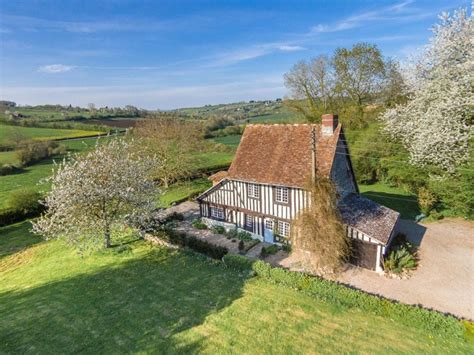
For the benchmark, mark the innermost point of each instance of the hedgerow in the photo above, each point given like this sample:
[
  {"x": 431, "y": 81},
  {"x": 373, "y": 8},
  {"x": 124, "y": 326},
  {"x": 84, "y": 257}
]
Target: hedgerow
[{"x": 346, "y": 297}]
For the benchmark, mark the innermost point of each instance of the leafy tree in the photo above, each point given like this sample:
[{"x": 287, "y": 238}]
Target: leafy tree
[
  {"x": 435, "y": 125},
  {"x": 94, "y": 194},
  {"x": 173, "y": 141},
  {"x": 312, "y": 87},
  {"x": 319, "y": 230},
  {"x": 360, "y": 74}
]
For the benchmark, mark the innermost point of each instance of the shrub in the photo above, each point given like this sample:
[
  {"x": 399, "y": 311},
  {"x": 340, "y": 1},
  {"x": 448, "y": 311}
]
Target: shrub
[
  {"x": 218, "y": 229},
  {"x": 250, "y": 244},
  {"x": 346, "y": 297},
  {"x": 232, "y": 233},
  {"x": 270, "y": 250},
  {"x": 246, "y": 236},
  {"x": 286, "y": 248},
  {"x": 241, "y": 246},
  {"x": 196, "y": 244},
  {"x": 6, "y": 169},
  {"x": 238, "y": 262},
  {"x": 25, "y": 201},
  {"x": 426, "y": 200},
  {"x": 400, "y": 259},
  {"x": 175, "y": 216},
  {"x": 199, "y": 224}
]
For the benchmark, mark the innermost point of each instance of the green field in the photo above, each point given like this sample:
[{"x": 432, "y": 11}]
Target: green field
[
  {"x": 40, "y": 134},
  {"x": 183, "y": 191},
  {"x": 232, "y": 140},
  {"x": 394, "y": 197},
  {"x": 150, "y": 299}
]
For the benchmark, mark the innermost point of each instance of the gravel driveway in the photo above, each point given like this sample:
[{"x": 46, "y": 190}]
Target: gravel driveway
[{"x": 444, "y": 279}]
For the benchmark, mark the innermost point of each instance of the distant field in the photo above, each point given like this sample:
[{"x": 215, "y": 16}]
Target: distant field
[
  {"x": 282, "y": 117},
  {"x": 40, "y": 134},
  {"x": 232, "y": 140},
  {"x": 115, "y": 123}
]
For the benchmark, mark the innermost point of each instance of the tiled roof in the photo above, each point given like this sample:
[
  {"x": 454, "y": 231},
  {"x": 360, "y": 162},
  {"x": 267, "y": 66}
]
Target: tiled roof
[
  {"x": 369, "y": 217},
  {"x": 281, "y": 154}
]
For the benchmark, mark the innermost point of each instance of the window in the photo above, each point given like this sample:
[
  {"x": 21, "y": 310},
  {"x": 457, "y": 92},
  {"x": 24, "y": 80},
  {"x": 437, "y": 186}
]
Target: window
[
  {"x": 217, "y": 212},
  {"x": 283, "y": 229},
  {"x": 281, "y": 194},
  {"x": 248, "y": 223},
  {"x": 269, "y": 224},
  {"x": 253, "y": 190}
]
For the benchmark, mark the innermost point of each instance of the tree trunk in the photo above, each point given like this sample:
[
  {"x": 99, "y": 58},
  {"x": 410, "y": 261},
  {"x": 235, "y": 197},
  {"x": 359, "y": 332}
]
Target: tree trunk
[{"x": 107, "y": 238}]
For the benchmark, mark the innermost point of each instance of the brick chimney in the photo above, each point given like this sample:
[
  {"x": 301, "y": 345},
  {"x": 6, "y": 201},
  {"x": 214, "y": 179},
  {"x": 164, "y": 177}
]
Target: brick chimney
[{"x": 329, "y": 124}]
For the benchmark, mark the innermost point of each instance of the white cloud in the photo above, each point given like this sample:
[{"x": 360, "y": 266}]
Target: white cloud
[
  {"x": 55, "y": 68},
  {"x": 290, "y": 48}
]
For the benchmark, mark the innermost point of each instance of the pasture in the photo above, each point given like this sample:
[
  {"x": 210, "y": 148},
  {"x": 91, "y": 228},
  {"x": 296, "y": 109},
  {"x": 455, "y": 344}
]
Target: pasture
[
  {"x": 143, "y": 298},
  {"x": 9, "y": 133}
]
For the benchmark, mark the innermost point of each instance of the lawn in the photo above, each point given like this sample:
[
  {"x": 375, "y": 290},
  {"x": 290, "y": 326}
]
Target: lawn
[
  {"x": 182, "y": 191},
  {"x": 151, "y": 299},
  {"x": 40, "y": 134},
  {"x": 394, "y": 197}
]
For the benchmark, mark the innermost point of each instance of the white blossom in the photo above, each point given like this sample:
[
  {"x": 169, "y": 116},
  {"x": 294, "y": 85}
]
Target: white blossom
[
  {"x": 95, "y": 193},
  {"x": 436, "y": 124}
]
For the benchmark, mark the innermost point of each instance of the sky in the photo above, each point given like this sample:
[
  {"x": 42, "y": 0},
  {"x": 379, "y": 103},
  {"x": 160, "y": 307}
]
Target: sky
[{"x": 171, "y": 54}]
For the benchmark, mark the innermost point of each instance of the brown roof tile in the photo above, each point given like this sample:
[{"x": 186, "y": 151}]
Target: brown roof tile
[
  {"x": 369, "y": 217},
  {"x": 281, "y": 154}
]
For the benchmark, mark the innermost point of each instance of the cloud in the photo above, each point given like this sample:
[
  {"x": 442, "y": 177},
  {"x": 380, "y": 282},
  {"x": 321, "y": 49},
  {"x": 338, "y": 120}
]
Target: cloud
[
  {"x": 290, "y": 48},
  {"x": 399, "y": 11},
  {"x": 55, "y": 68}
]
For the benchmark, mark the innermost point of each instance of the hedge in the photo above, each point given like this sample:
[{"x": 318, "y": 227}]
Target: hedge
[
  {"x": 10, "y": 215},
  {"x": 238, "y": 262},
  {"x": 344, "y": 296},
  {"x": 196, "y": 244}
]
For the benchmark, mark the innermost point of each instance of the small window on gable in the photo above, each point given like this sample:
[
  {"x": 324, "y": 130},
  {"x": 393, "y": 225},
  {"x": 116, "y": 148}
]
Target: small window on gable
[
  {"x": 217, "y": 212},
  {"x": 253, "y": 190},
  {"x": 281, "y": 194}
]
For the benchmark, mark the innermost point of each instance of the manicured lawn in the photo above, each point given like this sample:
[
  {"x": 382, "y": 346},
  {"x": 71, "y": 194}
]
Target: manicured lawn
[
  {"x": 151, "y": 299},
  {"x": 6, "y": 132},
  {"x": 394, "y": 197},
  {"x": 184, "y": 190},
  {"x": 232, "y": 140}
]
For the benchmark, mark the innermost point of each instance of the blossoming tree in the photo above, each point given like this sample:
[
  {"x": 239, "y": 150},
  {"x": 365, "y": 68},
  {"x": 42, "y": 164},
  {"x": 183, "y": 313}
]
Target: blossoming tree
[
  {"x": 436, "y": 124},
  {"x": 94, "y": 194}
]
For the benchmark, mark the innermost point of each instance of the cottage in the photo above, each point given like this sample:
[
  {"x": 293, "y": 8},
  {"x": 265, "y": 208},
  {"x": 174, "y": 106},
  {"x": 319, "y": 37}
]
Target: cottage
[{"x": 263, "y": 190}]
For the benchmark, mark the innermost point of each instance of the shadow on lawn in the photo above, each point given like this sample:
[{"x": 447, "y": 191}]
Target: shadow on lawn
[
  {"x": 142, "y": 306},
  {"x": 16, "y": 240},
  {"x": 406, "y": 205}
]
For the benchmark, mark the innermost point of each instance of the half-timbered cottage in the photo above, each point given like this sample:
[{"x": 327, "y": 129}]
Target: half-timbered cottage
[{"x": 264, "y": 188}]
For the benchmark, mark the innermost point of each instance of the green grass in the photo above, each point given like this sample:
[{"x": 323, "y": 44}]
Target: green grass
[
  {"x": 151, "y": 299},
  {"x": 213, "y": 160},
  {"x": 31, "y": 176},
  {"x": 394, "y": 197},
  {"x": 181, "y": 191},
  {"x": 232, "y": 140},
  {"x": 40, "y": 134},
  {"x": 8, "y": 157}
]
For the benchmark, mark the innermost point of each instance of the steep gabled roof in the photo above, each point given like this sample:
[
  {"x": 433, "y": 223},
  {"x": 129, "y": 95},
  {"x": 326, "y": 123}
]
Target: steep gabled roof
[
  {"x": 368, "y": 217},
  {"x": 281, "y": 154}
]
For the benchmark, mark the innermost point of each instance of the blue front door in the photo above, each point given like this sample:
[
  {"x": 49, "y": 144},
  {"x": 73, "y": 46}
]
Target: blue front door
[{"x": 268, "y": 230}]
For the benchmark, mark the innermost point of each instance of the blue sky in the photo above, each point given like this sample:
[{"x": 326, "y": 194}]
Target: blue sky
[{"x": 169, "y": 54}]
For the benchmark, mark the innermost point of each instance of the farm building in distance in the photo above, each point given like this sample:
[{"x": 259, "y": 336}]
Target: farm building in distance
[{"x": 263, "y": 190}]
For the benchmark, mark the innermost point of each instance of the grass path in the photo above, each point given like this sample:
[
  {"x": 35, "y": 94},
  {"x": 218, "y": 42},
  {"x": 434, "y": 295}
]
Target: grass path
[{"x": 150, "y": 299}]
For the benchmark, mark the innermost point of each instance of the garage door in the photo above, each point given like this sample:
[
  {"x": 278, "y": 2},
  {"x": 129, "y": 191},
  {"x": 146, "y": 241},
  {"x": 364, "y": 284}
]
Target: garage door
[{"x": 363, "y": 254}]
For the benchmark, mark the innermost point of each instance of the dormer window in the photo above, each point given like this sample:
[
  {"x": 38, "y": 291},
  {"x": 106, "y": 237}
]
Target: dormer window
[
  {"x": 281, "y": 194},
  {"x": 253, "y": 190}
]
